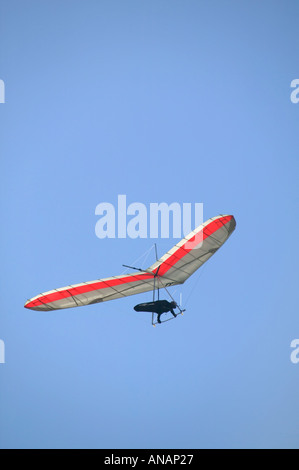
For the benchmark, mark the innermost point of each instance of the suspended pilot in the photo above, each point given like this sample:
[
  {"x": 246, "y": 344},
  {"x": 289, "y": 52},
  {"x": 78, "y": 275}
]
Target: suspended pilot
[{"x": 158, "y": 307}]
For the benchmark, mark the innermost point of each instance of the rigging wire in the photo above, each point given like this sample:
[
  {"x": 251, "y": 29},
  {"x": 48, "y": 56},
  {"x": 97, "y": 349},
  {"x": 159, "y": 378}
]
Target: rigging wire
[{"x": 144, "y": 255}]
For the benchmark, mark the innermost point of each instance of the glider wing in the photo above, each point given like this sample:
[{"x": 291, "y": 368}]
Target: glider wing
[
  {"x": 194, "y": 250},
  {"x": 173, "y": 268}
]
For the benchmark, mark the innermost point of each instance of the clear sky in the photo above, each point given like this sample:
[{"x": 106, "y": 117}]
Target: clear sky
[{"x": 163, "y": 101}]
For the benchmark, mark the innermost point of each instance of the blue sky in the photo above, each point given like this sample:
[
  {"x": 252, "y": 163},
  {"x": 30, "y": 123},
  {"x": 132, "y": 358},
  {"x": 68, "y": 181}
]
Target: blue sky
[{"x": 185, "y": 101}]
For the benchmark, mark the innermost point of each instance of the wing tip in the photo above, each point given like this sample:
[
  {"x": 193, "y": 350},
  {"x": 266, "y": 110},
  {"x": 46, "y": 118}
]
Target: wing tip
[{"x": 32, "y": 304}]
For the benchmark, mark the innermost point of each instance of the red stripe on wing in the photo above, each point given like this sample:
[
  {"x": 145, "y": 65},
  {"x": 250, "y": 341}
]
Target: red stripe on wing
[
  {"x": 208, "y": 230},
  {"x": 84, "y": 288}
]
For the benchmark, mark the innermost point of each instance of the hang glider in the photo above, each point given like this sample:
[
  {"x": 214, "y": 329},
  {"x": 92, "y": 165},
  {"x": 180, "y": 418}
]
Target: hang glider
[{"x": 175, "y": 267}]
